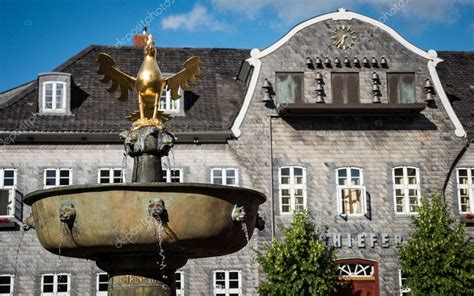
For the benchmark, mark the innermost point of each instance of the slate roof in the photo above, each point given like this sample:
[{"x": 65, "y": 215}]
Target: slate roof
[
  {"x": 211, "y": 106},
  {"x": 456, "y": 73}
]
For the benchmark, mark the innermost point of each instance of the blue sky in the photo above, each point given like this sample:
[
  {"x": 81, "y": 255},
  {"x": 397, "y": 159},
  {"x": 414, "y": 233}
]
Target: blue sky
[{"x": 36, "y": 36}]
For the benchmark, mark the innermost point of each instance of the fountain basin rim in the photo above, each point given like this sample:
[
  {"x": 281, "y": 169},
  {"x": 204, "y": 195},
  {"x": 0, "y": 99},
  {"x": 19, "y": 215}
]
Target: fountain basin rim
[{"x": 34, "y": 196}]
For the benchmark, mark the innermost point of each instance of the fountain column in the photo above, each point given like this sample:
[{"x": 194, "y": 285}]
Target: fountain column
[{"x": 146, "y": 146}]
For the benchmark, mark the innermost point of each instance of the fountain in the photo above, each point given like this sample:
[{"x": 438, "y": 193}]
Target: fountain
[{"x": 142, "y": 232}]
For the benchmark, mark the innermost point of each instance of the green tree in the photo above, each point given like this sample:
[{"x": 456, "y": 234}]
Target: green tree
[
  {"x": 300, "y": 264},
  {"x": 437, "y": 259}
]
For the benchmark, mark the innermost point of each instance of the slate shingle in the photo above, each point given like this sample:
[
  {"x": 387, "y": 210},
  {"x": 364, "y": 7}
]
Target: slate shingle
[
  {"x": 95, "y": 110},
  {"x": 456, "y": 73}
]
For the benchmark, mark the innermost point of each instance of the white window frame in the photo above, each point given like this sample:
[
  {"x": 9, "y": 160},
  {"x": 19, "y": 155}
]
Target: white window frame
[
  {"x": 12, "y": 284},
  {"x": 111, "y": 175},
  {"x": 180, "y": 292},
  {"x": 403, "y": 291},
  {"x": 292, "y": 187},
  {"x": 227, "y": 290},
  {"x": 469, "y": 187},
  {"x": 98, "y": 282},
  {"x": 168, "y": 176},
  {"x": 57, "y": 178},
  {"x": 167, "y": 104},
  {"x": 406, "y": 187},
  {"x": 11, "y": 189},
  {"x": 55, "y": 284},
  {"x": 54, "y": 98},
  {"x": 361, "y": 187},
  {"x": 224, "y": 176}
]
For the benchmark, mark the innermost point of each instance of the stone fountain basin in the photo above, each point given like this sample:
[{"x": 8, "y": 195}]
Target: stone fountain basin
[{"x": 113, "y": 220}]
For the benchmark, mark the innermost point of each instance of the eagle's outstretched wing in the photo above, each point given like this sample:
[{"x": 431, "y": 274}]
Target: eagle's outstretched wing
[
  {"x": 182, "y": 78},
  {"x": 112, "y": 73}
]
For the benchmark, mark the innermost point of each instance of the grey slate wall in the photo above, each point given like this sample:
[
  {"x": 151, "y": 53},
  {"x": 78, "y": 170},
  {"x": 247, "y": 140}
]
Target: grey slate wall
[{"x": 323, "y": 144}]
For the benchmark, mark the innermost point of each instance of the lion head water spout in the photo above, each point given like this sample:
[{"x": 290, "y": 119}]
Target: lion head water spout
[{"x": 142, "y": 232}]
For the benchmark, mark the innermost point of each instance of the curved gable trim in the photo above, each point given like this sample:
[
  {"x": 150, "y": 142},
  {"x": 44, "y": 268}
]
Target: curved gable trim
[{"x": 343, "y": 14}]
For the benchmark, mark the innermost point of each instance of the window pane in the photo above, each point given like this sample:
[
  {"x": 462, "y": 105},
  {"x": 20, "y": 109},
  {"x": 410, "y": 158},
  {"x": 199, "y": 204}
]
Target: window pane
[
  {"x": 50, "y": 182},
  {"x": 62, "y": 278},
  {"x": 217, "y": 173},
  {"x": 298, "y": 172},
  {"x": 351, "y": 199},
  {"x": 48, "y": 288},
  {"x": 233, "y": 275},
  {"x": 398, "y": 172},
  {"x": 401, "y": 88},
  {"x": 230, "y": 173},
  {"x": 285, "y": 171},
  {"x": 164, "y": 175},
  {"x": 5, "y": 289},
  {"x": 59, "y": 96},
  {"x": 8, "y": 178},
  {"x": 289, "y": 87},
  {"x": 345, "y": 88},
  {"x": 50, "y": 174},
  {"x": 48, "y": 96},
  {"x": 233, "y": 284},
  {"x": 64, "y": 174}
]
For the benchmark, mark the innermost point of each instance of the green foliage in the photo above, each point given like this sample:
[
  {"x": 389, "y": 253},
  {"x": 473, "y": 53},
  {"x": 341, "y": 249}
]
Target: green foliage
[
  {"x": 437, "y": 260},
  {"x": 301, "y": 264}
]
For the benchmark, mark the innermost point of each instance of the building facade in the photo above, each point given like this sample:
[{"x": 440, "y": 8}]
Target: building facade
[{"x": 341, "y": 116}]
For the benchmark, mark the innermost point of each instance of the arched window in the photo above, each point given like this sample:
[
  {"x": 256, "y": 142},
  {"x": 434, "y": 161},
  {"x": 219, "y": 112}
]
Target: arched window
[
  {"x": 351, "y": 195},
  {"x": 406, "y": 189},
  {"x": 292, "y": 189}
]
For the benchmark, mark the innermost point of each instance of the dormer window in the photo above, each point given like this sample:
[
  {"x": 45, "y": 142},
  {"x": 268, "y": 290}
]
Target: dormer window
[
  {"x": 54, "y": 96},
  {"x": 54, "y": 93},
  {"x": 167, "y": 104}
]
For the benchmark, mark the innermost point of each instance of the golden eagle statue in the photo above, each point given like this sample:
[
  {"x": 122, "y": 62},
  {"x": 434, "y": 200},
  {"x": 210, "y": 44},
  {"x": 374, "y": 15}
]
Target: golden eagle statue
[{"x": 149, "y": 85}]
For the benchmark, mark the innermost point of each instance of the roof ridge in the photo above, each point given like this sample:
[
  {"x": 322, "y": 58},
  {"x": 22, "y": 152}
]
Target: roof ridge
[
  {"x": 167, "y": 47},
  {"x": 15, "y": 87},
  {"x": 74, "y": 58}
]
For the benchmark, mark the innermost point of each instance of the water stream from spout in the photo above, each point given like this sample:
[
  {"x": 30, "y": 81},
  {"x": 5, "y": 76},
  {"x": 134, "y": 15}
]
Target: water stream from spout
[
  {"x": 246, "y": 232},
  {"x": 159, "y": 236},
  {"x": 61, "y": 238},
  {"x": 124, "y": 166}
]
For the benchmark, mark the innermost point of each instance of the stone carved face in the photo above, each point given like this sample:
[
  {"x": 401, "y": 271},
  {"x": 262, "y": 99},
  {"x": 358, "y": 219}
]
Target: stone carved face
[
  {"x": 238, "y": 213},
  {"x": 156, "y": 208},
  {"x": 67, "y": 213}
]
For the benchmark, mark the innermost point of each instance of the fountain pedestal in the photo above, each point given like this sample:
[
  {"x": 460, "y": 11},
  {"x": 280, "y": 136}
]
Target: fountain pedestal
[
  {"x": 127, "y": 228},
  {"x": 146, "y": 285}
]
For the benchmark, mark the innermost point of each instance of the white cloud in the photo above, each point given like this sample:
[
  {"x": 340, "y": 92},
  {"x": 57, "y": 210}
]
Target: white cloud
[
  {"x": 197, "y": 19},
  {"x": 296, "y": 10}
]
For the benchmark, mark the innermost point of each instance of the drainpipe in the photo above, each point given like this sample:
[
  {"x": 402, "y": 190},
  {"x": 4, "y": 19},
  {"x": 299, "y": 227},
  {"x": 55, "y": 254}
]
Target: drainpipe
[
  {"x": 272, "y": 192},
  {"x": 454, "y": 164}
]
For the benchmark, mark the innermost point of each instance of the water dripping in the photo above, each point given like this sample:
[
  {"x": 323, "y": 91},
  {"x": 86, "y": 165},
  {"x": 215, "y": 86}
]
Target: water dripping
[
  {"x": 245, "y": 230},
  {"x": 61, "y": 238},
  {"x": 159, "y": 237},
  {"x": 124, "y": 166}
]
